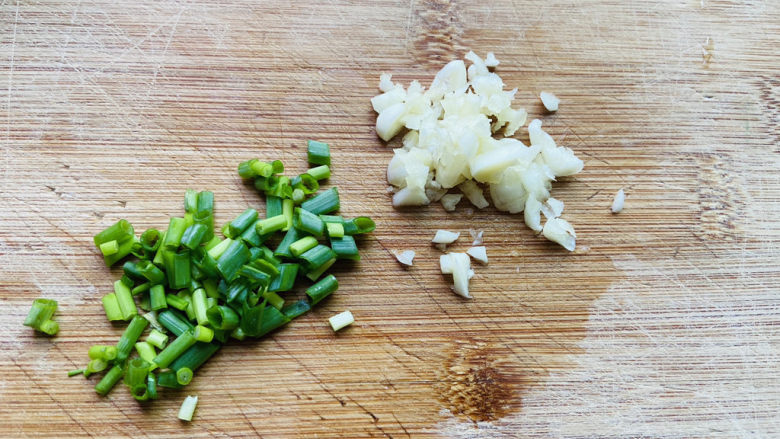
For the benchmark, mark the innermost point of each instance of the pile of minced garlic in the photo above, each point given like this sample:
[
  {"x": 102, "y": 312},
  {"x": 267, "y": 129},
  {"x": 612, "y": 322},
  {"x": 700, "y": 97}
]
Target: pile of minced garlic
[{"x": 452, "y": 142}]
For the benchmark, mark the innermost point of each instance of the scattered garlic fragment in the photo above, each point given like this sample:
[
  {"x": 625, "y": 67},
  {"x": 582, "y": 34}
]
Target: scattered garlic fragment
[
  {"x": 491, "y": 61},
  {"x": 617, "y": 203},
  {"x": 445, "y": 237},
  {"x": 459, "y": 265},
  {"x": 341, "y": 320},
  {"x": 559, "y": 230},
  {"x": 449, "y": 201},
  {"x": 476, "y": 235},
  {"x": 550, "y": 101},
  {"x": 479, "y": 253},
  {"x": 405, "y": 257}
]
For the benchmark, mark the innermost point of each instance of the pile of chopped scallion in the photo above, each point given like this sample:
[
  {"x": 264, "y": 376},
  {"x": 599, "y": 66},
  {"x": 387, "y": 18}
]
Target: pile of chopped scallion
[{"x": 200, "y": 290}]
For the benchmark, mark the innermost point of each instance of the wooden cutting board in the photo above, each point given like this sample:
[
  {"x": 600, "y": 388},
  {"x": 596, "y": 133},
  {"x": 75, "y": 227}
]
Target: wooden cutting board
[{"x": 663, "y": 323}]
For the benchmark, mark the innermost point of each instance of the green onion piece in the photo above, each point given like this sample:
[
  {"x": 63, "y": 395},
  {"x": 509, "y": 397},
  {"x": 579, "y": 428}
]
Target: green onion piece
[
  {"x": 194, "y": 235},
  {"x": 288, "y": 206},
  {"x": 272, "y": 319},
  {"x": 111, "y": 306},
  {"x": 306, "y": 183},
  {"x": 265, "y": 266},
  {"x": 203, "y": 334},
  {"x": 144, "y": 287},
  {"x": 120, "y": 231},
  {"x": 205, "y": 213},
  {"x": 179, "y": 275},
  {"x": 127, "y": 281},
  {"x": 174, "y": 322},
  {"x": 315, "y": 274},
  {"x": 49, "y": 327},
  {"x": 96, "y": 365},
  {"x": 273, "y": 206},
  {"x": 279, "y": 187},
  {"x": 109, "y": 380},
  {"x": 184, "y": 376},
  {"x": 136, "y": 373},
  {"x": 318, "y": 153},
  {"x": 125, "y": 298},
  {"x": 322, "y": 289},
  {"x": 210, "y": 285},
  {"x": 157, "y": 339},
  {"x": 222, "y": 317},
  {"x": 221, "y": 335},
  {"x": 174, "y": 349},
  {"x": 286, "y": 278},
  {"x": 237, "y": 293},
  {"x": 238, "y": 225},
  {"x": 345, "y": 248},
  {"x": 176, "y": 302},
  {"x": 125, "y": 248},
  {"x": 273, "y": 299},
  {"x": 255, "y": 252},
  {"x": 102, "y": 352},
  {"x": 270, "y": 225},
  {"x": 176, "y": 229},
  {"x": 41, "y": 311},
  {"x": 168, "y": 379},
  {"x": 325, "y": 202},
  {"x": 308, "y": 222},
  {"x": 252, "y": 320},
  {"x": 199, "y": 306},
  {"x": 195, "y": 356},
  {"x": 238, "y": 334},
  {"x": 298, "y": 196},
  {"x": 146, "y": 351},
  {"x": 150, "y": 240},
  {"x": 283, "y": 250},
  {"x": 302, "y": 245},
  {"x": 254, "y": 275},
  {"x": 250, "y": 236},
  {"x": 277, "y": 166},
  {"x": 296, "y": 309},
  {"x": 159, "y": 257},
  {"x": 151, "y": 386},
  {"x": 75, "y": 372},
  {"x": 211, "y": 243},
  {"x": 317, "y": 256},
  {"x": 189, "y": 310},
  {"x": 191, "y": 201},
  {"x": 335, "y": 230},
  {"x": 109, "y": 248},
  {"x": 359, "y": 225},
  {"x": 262, "y": 169},
  {"x": 338, "y": 219},
  {"x": 150, "y": 272},
  {"x": 233, "y": 258},
  {"x": 245, "y": 169},
  {"x": 129, "y": 337},
  {"x": 187, "y": 408},
  {"x": 157, "y": 299},
  {"x": 151, "y": 317},
  {"x": 320, "y": 172},
  {"x": 216, "y": 251}
]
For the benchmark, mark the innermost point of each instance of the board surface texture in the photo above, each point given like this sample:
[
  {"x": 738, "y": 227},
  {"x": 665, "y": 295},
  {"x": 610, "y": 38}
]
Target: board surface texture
[{"x": 663, "y": 323}]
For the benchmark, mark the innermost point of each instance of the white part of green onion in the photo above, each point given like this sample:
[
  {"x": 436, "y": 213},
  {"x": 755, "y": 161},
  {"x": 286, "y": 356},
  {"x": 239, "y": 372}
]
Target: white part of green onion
[
  {"x": 187, "y": 408},
  {"x": 341, "y": 320}
]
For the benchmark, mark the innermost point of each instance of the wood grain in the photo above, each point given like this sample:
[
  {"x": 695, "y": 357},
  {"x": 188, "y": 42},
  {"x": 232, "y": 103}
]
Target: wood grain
[{"x": 662, "y": 324}]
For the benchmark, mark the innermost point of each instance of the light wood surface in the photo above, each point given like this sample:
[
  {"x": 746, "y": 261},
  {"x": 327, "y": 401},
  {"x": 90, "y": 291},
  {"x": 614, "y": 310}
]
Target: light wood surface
[{"x": 664, "y": 323}]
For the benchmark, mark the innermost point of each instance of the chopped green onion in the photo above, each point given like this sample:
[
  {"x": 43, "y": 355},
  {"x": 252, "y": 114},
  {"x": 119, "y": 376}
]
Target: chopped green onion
[
  {"x": 222, "y": 317},
  {"x": 273, "y": 299},
  {"x": 129, "y": 337},
  {"x": 203, "y": 334},
  {"x": 125, "y": 248},
  {"x": 234, "y": 257},
  {"x": 151, "y": 317},
  {"x": 341, "y": 320},
  {"x": 263, "y": 169},
  {"x": 39, "y": 317},
  {"x": 137, "y": 371},
  {"x": 359, "y": 225},
  {"x": 238, "y": 225},
  {"x": 127, "y": 281},
  {"x": 210, "y": 285},
  {"x": 272, "y": 319},
  {"x": 320, "y": 172},
  {"x": 144, "y": 287},
  {"x": 145, "y": 351},
  {"x": 325, "y": 202},
  {"x": 195, "y": 356},
  {"x": 345, "y": 248},
  {"x": 273, "y": 206},
  {"x": 109, "y": 248},
  {"x": 308, "y": 222},
  {"x": 322, "y": 289},
  {"x": 173, "y": 321},
  {"x": 199, "y": 306},
  {"x": 286, "y": 278},
  {"x": 188, "y": 408},
  {"x": 270, "y": 225},
  {"x": 296, "y": 309},
  {"x": 238, "y": 334},
  {"x": 151, "y": 386},
  {"x": 317, "y": 256},
  {"x": 250, "y": 236},
  {"x": 245, "y": 169},
  {"x": 150, "y": 272},
  {"x": 168, "y": 379},
  {"x": 109, "y": 380},
  {"x": 306, "y": 183},
  {"x": 159, "y": 257},
  {"x": 288, "y": 206},
  {"x": 184, "y": 376},
  {"x": 315, "y": 274},
  {"x": 252, "y": 320},
  {"x": 150, "y": 240},
  {"x": 179, "y": 274},
  {"x": 176, "y": 302},
  {"x": 111, "y": 306},
  {"x": 194, "y": 235},
  {"x": 318, "y": 153},
  {"x": 157, "y": 299},
  {"x": 298, "y": 196},
  {"x": 283, "y": 250},
  {"x": 176, "y": 229},
  {"x": 125, "y": 298},
  {"x": 120, "y": 231},
  {"x": 335, "y": 230},
  {"x": 302, "y": 245},
  {"x": 174, "y": 349},
  {"x": 102, "y": 352},
  {"x": 94, "y": 366},
  {"x": 75, "y": 372},
  {"x": 157, "y": 339},
  {"x": 205, "y": 213},
  {"x": 254, "y": 275}
]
